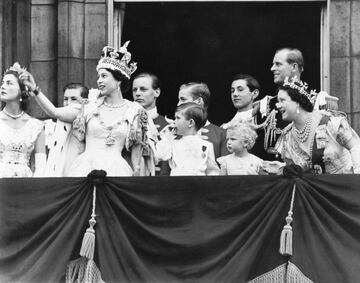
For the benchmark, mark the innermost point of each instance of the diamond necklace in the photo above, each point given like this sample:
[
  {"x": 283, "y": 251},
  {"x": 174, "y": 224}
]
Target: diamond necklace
[
  {"x": 303, "y": 134},
  {"x": 16, "y": 116}
]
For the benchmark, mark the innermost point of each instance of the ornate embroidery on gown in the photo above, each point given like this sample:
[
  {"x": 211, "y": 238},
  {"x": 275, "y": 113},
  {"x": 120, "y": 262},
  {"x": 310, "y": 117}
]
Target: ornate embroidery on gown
[
  {"x": 16, "y": 148},
  {"x": 329, "y": 136},
  {"x": 104, "y": 143}
]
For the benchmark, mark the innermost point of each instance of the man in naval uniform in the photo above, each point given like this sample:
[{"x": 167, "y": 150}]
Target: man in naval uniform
[{"x": 287, "y": 62}]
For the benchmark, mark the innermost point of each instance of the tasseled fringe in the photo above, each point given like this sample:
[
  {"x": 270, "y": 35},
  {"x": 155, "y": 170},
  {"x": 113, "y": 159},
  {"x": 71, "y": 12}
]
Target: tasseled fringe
[
  {"x": 287, "y": 233},
  {"x": 294, "y": 275},
  {"x": 285, "y": 273},
  {"x": 276, "y": 275},
  {"x": 84, "y": 269}
]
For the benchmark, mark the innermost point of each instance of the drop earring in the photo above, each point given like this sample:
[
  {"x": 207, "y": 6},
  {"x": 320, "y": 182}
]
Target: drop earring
[{"x": 297, "y": 110}]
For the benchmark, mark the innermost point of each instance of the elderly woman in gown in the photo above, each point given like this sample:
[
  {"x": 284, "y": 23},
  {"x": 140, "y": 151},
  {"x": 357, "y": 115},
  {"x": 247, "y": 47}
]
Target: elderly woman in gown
[{"x": 320, "y": 141}]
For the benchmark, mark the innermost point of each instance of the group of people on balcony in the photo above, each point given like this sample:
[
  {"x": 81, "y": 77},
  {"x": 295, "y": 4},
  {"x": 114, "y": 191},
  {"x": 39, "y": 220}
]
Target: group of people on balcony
[{"x": 100, "y": 129}]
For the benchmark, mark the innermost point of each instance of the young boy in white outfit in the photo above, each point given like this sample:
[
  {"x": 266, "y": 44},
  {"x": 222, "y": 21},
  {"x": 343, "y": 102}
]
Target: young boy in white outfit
[{"x": 189, "y": 154}]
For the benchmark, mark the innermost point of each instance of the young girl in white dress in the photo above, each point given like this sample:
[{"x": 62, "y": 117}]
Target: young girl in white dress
[
  {"x": 189, "y": 154},
  {"x": 241, "y": 138}
]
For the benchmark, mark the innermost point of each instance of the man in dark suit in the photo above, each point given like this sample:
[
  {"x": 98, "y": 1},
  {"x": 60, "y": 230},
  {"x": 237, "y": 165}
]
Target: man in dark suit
[{"x": 200, "y": 93}]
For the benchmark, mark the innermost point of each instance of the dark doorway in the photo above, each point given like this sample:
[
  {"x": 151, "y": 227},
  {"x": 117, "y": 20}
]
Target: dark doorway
[{"x": 213, "y": 41}]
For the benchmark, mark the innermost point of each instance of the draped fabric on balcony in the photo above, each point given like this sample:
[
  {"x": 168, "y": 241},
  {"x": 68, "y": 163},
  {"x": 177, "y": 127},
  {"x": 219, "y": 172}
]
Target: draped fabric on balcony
[{"x": 182, "y": 229}]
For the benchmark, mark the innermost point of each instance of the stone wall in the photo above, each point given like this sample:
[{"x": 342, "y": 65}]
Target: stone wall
[
  {"x": 43, "y": 58},
  {"x": 82, "y": 26},
  {"x": 345, "y": 57},
  {"x": 58, "y": 40}
]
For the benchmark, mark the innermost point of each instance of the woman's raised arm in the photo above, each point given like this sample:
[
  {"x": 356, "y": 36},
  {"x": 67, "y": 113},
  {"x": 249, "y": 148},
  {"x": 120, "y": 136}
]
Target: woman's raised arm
[{"x": 66, "y": 114}]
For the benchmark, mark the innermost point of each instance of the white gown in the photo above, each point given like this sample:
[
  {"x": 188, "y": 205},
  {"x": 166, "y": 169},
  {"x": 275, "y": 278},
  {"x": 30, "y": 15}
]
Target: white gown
[
  {"x": 99, "y": 154},
  {"x": 17, "y": 147}
]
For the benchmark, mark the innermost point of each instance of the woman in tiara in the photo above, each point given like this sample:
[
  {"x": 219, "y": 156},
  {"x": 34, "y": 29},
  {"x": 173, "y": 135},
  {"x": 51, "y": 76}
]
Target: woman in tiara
[
  {"x": 110, "y": 124},
  {"x": 22, "y": 142},
  {"x": 320, "y": 141}
]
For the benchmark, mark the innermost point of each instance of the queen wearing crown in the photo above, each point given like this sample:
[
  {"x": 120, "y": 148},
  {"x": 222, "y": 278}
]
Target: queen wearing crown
[
  {"x": 22, "y": 142},
  {"x": 319, "y": 141},
  {"x": 110, "y": 124}
]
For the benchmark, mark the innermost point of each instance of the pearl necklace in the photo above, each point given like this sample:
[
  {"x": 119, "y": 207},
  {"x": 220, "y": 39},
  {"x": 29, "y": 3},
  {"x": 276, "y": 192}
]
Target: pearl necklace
[
  {"x": 114, "y": 105},
  {"x": 16, "y": 116},
  {"x": 303, "y": 134}
]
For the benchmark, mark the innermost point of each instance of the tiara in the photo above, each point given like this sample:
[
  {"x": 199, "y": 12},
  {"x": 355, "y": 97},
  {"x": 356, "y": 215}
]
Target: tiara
[
  {"x": 17, "y": 68},
  {"x": 301, "y": 87},
  {"x": 117, "y": 60}
]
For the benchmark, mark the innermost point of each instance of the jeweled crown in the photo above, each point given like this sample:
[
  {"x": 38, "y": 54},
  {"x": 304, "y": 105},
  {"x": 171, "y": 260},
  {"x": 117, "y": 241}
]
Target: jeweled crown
[
  {"x": 301, "y": 87},
  {"x": 17, "y": 68},
  {"x": 117, "y": 60}
]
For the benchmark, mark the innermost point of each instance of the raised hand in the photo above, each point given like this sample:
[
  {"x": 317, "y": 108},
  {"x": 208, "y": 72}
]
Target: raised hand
[
  {"x": 29, "y": 82},
  {"x": 168, "y": 132}
]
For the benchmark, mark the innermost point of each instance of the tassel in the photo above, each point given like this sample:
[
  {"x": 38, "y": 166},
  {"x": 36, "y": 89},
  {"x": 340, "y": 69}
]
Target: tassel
[
  {"x": 84, "y": 269},
  {"x": 287, "y": 233},
  {"x": 88, "y": 243},
  {"x": 286, "y": 237}
]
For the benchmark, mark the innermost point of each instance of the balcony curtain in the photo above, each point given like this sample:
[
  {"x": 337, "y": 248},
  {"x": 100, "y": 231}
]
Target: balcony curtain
[{"x": 182, "y": 229}]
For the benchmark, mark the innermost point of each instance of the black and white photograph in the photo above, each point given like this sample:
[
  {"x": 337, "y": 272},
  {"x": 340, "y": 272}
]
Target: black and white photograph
[{"x": 180, "y": 141}]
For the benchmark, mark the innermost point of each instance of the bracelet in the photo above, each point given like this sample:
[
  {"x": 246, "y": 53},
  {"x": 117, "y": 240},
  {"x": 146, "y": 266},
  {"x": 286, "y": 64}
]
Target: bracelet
[{"x": 36, "y": 90}]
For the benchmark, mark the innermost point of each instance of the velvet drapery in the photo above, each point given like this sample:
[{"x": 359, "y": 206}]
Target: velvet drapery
[{"x": 181, "y": 229}]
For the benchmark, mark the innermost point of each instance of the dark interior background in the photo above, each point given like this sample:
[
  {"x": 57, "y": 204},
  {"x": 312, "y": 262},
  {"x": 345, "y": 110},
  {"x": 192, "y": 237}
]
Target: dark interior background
[{"x": 213, "y": 41}]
